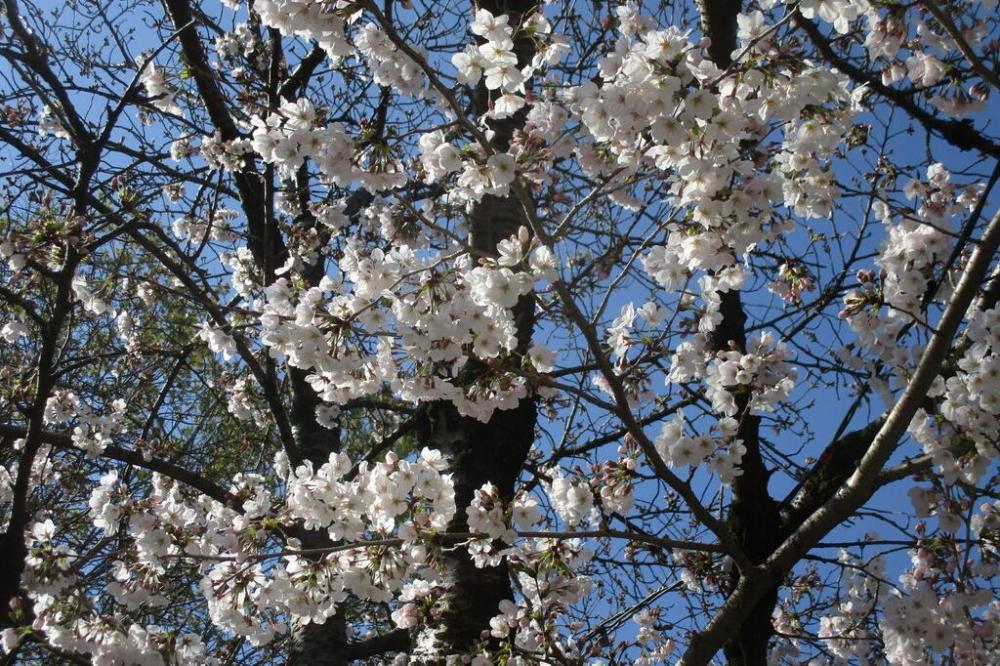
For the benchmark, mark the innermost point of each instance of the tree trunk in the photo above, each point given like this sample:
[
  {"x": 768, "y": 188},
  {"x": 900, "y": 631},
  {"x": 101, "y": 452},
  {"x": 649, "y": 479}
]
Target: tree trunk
[
  {"x": 753, "y": 514},
  {"x": 478, "y": 453},
  {"x": 482, "y": 452},
  {"x": 319, "y": 644},
  {"x": 314, "y": 644}
]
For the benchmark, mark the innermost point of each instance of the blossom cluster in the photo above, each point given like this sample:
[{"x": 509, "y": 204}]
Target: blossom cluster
[
  {"x": 408, "y": 310},
  {"x": 436, "y": 309},
  {"x": 93, "y": 430},
  {"x": 73, "y": 622},
  {"x": 763, "y": 370},
  {"x": 960, "y": 438},
  {"x": 295, "y": 132}
]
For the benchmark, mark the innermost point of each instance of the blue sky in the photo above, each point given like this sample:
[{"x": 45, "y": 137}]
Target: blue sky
[{"x": 826, "y": 413}]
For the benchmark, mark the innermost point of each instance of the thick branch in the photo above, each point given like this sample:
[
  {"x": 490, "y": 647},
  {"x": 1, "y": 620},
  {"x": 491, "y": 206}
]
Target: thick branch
[
  {"x": 864, "y": 481},
  {"x": 962, "y": 135},
  {"x": 174, "y": 471}
]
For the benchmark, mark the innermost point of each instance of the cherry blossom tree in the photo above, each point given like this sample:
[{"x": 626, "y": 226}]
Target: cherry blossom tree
[{"x": 499, "y": 332}]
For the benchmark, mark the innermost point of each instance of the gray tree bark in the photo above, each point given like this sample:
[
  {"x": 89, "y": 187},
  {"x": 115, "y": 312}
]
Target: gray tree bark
[
  {"x": 478, "y": 453},
  {"x": 753, "y": 516}
]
